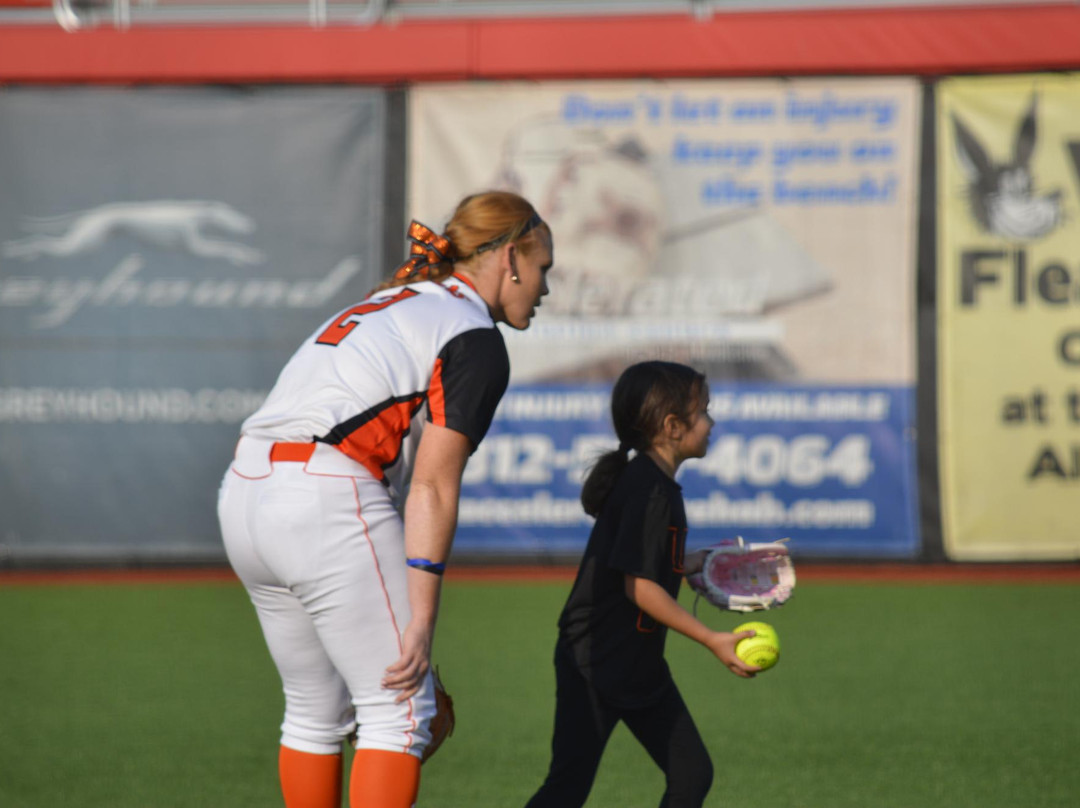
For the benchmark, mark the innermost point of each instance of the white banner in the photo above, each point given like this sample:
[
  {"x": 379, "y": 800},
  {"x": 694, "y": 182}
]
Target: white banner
[{"x": 759, "y": 229}]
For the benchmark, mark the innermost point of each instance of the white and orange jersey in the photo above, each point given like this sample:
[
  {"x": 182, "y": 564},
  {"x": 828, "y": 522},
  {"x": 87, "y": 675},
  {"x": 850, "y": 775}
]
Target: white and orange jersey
[{"x": 370, "y": 377}]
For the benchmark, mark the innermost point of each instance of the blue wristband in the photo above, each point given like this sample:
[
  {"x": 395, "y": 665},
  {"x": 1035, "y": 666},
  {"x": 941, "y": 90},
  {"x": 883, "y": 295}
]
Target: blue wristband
[{"x": 427, "y": 566}]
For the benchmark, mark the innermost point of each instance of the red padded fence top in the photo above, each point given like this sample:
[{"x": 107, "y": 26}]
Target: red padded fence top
[
  {"x": 923, "y": 41},
  {"x": 1066, "y": 574}
]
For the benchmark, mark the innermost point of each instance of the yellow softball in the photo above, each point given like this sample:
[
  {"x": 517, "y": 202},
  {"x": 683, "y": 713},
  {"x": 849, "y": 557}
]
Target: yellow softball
[{"x": 763, "y": 649}]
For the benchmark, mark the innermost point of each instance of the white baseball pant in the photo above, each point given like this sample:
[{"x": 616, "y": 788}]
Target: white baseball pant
[{"x": 323, "y": 559}]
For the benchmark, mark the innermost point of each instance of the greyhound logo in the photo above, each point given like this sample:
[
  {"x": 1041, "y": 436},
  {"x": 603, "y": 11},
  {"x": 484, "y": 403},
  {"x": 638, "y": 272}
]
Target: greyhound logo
[
  {"x": 168, "y": 224},
  {"x": 1002, "y": 195}
]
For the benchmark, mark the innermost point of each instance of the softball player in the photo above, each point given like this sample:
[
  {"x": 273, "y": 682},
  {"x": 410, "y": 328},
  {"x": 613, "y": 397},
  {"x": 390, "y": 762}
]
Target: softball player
[
  {"x": 339, "y": 509},
  {"x": 609, "y": 659}
]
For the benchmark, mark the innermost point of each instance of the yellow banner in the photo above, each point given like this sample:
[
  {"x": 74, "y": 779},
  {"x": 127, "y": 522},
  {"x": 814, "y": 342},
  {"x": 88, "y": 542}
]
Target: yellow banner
[{"x": 1008, "y": 164}]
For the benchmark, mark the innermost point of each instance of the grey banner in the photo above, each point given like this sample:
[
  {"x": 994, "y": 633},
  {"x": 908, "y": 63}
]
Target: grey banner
[{"x": 162, "y": 253}]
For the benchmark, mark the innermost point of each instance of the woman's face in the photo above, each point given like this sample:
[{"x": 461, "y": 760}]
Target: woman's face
[{"x": 520, "y": 299}]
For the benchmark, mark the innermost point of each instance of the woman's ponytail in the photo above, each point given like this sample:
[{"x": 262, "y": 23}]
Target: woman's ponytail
[{"x": 480, "y": 222}]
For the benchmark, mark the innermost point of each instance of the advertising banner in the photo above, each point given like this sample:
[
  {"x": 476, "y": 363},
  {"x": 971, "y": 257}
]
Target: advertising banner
[
  {"x": 819, "y": 465},
  {"x": 762, "y": 231},
  {"x": 1008, "y": 327},
  {"x": 162, "y": 254}
]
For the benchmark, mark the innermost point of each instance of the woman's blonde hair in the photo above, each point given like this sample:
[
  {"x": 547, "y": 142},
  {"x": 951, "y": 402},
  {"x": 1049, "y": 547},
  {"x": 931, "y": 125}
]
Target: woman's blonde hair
[{"x": 481, "y": 222}]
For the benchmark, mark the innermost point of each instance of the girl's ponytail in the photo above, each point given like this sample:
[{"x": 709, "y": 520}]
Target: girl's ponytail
[{"x": 601, "y": 480}]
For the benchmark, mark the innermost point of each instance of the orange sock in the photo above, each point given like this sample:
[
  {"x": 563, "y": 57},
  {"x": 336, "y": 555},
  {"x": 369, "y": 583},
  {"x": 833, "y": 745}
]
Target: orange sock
[
  {"x": 383, "y": 779},
  {"x": 309, "y": 781}
]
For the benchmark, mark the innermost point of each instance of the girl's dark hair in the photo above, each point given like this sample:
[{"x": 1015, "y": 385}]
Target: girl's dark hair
[{"x": 644, "y": 395}]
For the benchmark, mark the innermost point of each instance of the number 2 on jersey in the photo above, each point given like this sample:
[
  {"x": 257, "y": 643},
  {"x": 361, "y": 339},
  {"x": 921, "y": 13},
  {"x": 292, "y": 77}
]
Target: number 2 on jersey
[{"x": 350, "y": 318}]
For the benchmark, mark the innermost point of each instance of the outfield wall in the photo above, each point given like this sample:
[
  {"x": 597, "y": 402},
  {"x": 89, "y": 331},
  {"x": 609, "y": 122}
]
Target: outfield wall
[{"x": 164, "y": 248}]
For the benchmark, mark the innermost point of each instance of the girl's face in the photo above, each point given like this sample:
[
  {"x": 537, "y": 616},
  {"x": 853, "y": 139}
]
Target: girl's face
[{"x": 695, "y": 440}]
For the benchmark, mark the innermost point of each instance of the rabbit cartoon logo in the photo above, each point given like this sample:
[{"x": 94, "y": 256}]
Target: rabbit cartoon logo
[
  {"x": 169, "y": 224},
  {"x": 1002, "y": 196}
]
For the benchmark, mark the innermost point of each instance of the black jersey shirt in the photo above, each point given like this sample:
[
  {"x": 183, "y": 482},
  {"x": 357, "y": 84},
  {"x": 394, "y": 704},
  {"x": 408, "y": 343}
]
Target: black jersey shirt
[{"x": 640, "y": 531}]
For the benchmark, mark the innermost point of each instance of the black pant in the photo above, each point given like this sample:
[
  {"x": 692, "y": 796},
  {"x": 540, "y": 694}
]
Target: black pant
[{"x": 583, "y": 723}]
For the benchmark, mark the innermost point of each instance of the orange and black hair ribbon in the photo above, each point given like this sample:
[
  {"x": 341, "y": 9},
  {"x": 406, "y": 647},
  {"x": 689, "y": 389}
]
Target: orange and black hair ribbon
[{"x": 427, "y": 249}]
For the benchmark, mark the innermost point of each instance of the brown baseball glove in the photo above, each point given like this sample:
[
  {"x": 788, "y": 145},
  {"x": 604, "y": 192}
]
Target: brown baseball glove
[{"x": 442, "y": 725}]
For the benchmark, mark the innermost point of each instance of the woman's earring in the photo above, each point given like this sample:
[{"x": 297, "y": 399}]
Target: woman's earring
[{"x": 515, "y": 279}]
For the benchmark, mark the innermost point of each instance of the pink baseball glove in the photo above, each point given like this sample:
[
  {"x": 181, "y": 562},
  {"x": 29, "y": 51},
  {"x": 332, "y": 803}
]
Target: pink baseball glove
[{"x": 743, "y": 577}]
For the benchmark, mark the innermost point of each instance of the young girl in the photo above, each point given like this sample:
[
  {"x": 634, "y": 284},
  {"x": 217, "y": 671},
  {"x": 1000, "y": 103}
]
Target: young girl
[{"x": 609, "y": 659}]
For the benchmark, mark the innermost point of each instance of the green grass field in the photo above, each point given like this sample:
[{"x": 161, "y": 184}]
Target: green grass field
[{"x": 155, "y": 696}]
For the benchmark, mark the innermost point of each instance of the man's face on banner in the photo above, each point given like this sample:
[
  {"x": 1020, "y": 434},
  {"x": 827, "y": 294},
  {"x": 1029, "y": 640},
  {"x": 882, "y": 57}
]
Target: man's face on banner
[
  {"x": 608, "y": 211},
  {"x": 601, "y": 199}
]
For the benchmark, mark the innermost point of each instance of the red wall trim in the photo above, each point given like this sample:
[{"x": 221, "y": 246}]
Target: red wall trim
[{"x": 907, "y": 41}]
